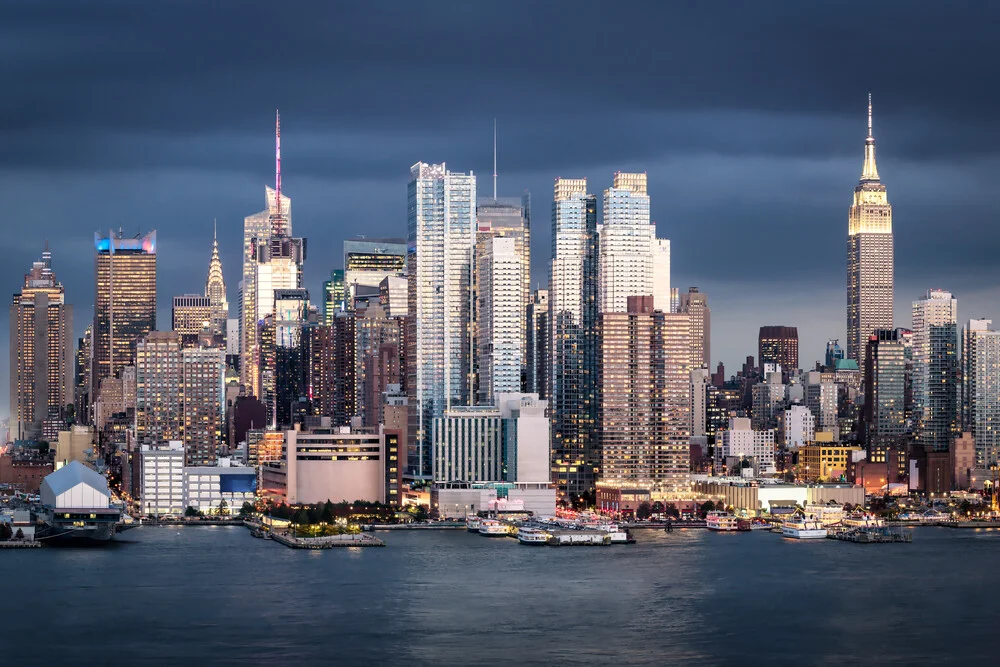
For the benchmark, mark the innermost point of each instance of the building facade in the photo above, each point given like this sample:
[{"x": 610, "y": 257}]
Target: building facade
[
  {"x": 367, "y": 262},
  {"x": 981, "y": 390},
  {"x": 537, "y": 344},
  {"x": 779, "y": 345},
  {"x": 885, "y": 386},
  {"x": 500, "y": 318},
  {"x": 627, "y": 241},
  {"x": 191, "y": 314},
  {"x": 694, "y": 303}
]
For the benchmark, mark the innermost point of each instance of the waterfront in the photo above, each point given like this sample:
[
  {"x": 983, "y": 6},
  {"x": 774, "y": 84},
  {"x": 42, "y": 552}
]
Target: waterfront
[{"x": 199, "y": 595}]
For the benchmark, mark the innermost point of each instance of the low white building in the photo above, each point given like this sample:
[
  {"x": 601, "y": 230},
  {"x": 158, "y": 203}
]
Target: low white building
[
  {"x": 205, "y": 487},
  {"x": 740, "y": 441},
  {"x": 457, "y": 499},
  {"x": 526, "y": 438},
  {"x": 162, "y": 484}
]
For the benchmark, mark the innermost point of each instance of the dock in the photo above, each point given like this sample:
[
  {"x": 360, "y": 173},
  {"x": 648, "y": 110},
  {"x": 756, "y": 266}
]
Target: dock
[
  {"x": 20, "y": 544},
  {"x": 871, "y": 535},
  {"x": 329, "y": 542}
]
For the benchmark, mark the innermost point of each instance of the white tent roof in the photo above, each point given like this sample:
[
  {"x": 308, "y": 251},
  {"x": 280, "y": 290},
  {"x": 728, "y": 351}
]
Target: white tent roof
[{"x": 68, "y": 477}]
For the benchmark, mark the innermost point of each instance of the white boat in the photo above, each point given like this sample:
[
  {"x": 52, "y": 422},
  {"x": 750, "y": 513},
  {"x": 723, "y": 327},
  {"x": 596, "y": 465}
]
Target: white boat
[
  {"x": 532, "y": 536},
  {"x": 472, "y": 523},
  {"x": 863, "y": 520},
  {"x": 493, "y": 528},
  {"x": 722, "y": 521},
  {"x": 801, "y": 528}
]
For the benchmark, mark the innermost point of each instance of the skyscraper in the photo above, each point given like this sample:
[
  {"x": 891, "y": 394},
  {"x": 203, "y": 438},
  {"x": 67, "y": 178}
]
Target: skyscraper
[
  {"x": 368, "y": 261},
  {"x": 509, "y": 218},
  {"x": 626, "y": 243},
  {"x": 257, "y": 231},
  {"x": 573, "y": 308},
  {"x": 440, "y": 240},
  {"x": 695, "y": 304},
  {"x": 41, "y": 351},
  {"x": 282, "y": 362},
  {"x": 331, "y": 379},
  {"x": 935, "y": 369},
  {"x": 981, "y": 389},
  {"x": 869, "y": 256},
  {"x": 125, "y": 308},
  {"x": 661, "y": 276},
  {"x": 779, "y": 345},
  {"x": 537, "y": 345},
  {"x": 644, "y": 404},
  {"x": 500, "y": 321},
  {"x": 191, "y": 314},
  {"x": 885, "y": 384},
  {"x": 215, "y": 291}
]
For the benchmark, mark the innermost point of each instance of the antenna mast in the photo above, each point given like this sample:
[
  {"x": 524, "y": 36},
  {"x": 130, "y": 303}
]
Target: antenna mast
[
  {"x": 494, "y": 159},
  {"x": 277, "y": 160}
]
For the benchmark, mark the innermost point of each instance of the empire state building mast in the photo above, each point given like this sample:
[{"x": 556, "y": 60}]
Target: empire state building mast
[{"x": 869, "y": 256}]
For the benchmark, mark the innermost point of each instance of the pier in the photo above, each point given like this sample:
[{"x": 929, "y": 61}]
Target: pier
[
  {"x": 20, "y": 544},
  {"x": 871, "y": 535},
  {"x": 328, "y": 542}
]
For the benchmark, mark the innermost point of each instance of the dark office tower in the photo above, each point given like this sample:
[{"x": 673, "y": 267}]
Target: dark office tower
[
  {"x": 935, "y": 369},
  {"x": 125, "y": 308},
  {"x": 695, "y": 305},
  {"x": 869, "y": 256},
  {"x": 282, "y": 364},
  {"x": 885, "y": 382},
  {"x": 83, "y": 368},
  {"x": 41, "y": 351},
  {"x": 334, "y": 295},
  {"x": 537, "y": 358},
  {"x": 719, "y": 376},
  {"x": 331, "y": 381},
  {"x": 573, "y": 320},
  {"x": 779, "y": 345}
]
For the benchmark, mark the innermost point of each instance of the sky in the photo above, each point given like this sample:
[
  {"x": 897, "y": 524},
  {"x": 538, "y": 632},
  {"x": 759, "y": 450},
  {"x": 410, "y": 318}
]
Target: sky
[{"x": 749, "y": 119}]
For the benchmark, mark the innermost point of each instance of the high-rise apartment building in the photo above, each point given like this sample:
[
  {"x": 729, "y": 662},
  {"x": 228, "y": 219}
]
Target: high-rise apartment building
[
  {"x": 180, "y": 395},
  {"x": 440, "y": 241},
  {"x": 125, "y": 308},
  {"x": 573, "y": 308},
  {"x": 192, "y": 314},
  {"x": 644, "y": 398},
  {"x": 369, "y": 261},
  {"x": 935, "y": 369},
  {"x": 869, "y": 256},
  {"x": 537, "y": 345},
  {"x": 373, "y": 330},
  {"x": 332, "y": 359},
  {"x": 41, "y": 351},
  {"x": 695, "y": 304},
  {"x": 627, "y": 240},
  {"x": 779, "y": 345},
  {"x": 84, "y": 365},
  {"x": 981, "y": 389},
  {"x": 500, "y": 319},
  {"x": 885, "y": 384},
  {"x": 215, "y": 292}
]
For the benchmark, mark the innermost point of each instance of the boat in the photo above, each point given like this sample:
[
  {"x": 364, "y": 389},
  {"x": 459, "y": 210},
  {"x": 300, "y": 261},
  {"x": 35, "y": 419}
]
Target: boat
[
  {"x": 863, "y": 520},
  {"x": 533, "y": 536},
  {"x": 472, "y": 523},
  {"x": 801, "y": 528},
  {"x": 723, "y": 522},
  {"x": 760, "y": 524},
  {"x": 76, "y": 508},
  {"x": 493, "y": 528}
]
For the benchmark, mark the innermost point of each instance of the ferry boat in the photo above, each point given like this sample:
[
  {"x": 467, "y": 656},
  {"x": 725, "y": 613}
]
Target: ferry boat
[
  {"x": 801, "y": 528},
  {"x": 616, "y": 534},
  {"x": 533, "y": 536},
  {"x": 493, "y": 528},
  {"x": 472, "y": 523},
  {"x": 760, "y": 524},
  {"x": 722, "y": 521},
  {"x": 863, "y": 520}
]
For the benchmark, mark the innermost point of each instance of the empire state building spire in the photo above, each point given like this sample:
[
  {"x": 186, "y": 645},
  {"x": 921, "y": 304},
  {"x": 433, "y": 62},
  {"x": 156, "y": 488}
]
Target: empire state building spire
[{"x": 869, "y": 172}]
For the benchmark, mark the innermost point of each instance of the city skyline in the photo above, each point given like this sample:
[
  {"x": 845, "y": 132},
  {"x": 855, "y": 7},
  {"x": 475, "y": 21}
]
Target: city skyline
[{"x": 820, "y": 133}]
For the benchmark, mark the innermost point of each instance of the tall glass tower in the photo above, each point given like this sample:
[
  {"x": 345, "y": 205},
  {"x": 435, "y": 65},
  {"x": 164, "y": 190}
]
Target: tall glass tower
[
  {"x": 869, "y": 256},
  {"x": 935, "y": 369},
  {"x": 573, "y": 321},
  {"x": 440, "y": 241},
  {"x": 627, "y": 244}
]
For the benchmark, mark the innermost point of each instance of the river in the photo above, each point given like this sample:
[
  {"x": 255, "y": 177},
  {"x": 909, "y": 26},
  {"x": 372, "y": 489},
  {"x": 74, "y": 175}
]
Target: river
[{"x": 215, "y": 595}]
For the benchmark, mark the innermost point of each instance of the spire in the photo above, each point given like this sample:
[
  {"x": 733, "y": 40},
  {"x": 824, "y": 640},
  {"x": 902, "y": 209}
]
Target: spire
[
  {"x": 215, "y": 231},
  {"x": 494, "y": 159},
  {"x": 869, "y": 172},
  {"x": 277, "y": 160}
]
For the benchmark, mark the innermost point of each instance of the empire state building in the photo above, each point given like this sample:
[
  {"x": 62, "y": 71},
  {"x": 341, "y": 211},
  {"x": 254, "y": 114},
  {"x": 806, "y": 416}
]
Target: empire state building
[{"x": 869, "y": 256}]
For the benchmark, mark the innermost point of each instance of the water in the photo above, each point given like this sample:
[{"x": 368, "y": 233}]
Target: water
[{"x": 170, "y": 596}]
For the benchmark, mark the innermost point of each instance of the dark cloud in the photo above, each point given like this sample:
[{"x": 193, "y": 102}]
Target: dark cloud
[{"x": 748, "y": 117}]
